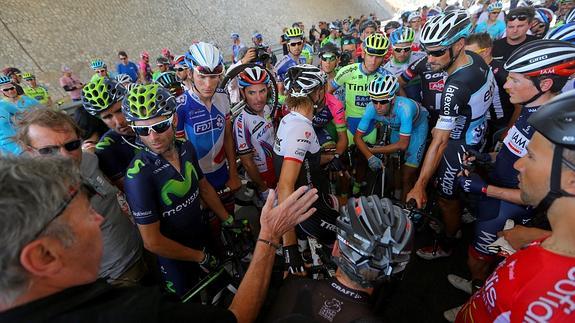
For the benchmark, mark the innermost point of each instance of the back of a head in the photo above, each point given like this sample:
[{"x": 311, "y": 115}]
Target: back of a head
[{"x": 374, "y": 239}]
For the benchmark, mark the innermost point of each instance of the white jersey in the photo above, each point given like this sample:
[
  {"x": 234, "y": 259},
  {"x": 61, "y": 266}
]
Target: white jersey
[
  {"x": 255, "y": 134},
  {"x": 396, "y": 68}
]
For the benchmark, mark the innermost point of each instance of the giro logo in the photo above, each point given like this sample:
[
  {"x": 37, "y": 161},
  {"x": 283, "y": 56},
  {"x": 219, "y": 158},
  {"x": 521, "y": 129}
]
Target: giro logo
[
  {"x": 178, "y": 188},
  {"x": 537, "y": 59},
  {"x": 106, "y": 142},
  {"x": 135, "y": 169}
]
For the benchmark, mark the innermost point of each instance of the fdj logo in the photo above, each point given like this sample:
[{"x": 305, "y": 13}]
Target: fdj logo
[
  {"x": 179, "y": 188},
  {"x": 208, "y": 125}
]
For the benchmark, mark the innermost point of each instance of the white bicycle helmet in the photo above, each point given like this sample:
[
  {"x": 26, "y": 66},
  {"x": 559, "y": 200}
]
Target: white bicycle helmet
[
  {"x": 205, "y": 58},
  {"x": 543, "y": 57},
  {"x": 374, "y": 239},
  {"x": 303, "y": 79},
  {"x": 123, "y": 78},
  {"x": 445, "y": 29},
  {"x": 570, "y": 16},
  {"x": 384, "y": 87},
  {"x": 565, "y": 32}
]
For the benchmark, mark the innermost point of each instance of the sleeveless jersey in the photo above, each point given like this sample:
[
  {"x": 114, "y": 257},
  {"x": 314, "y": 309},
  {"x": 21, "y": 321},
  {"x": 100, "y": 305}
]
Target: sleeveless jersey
[
  {"x": 205, "y": 129},
  {"x": 532, "y": 285},
  {"x": 115, "y": 152}
]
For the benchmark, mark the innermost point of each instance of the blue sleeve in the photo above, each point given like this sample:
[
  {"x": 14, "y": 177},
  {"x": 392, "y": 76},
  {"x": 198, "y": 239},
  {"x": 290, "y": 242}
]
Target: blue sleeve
[
  {"x": 141, "y": 194},
  {"x": 366, "y": 122},
  {"x": 406, "y": 111}
]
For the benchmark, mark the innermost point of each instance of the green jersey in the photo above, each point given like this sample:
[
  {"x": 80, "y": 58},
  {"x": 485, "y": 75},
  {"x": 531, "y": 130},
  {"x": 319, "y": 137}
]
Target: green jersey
[{"x": 39, "y": 93}]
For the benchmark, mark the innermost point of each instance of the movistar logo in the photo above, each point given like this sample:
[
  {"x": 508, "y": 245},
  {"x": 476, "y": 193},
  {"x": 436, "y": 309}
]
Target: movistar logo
[
  {"x": 136, "y": 169},
  {"x": 106, "y": 142},
  {"x": 179, "y": 188}
]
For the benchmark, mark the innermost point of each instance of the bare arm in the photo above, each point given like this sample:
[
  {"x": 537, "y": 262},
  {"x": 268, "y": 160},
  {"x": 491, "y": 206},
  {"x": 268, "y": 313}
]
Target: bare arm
[
  {"x": 233, "y": 182},
  {"x": 341, "y": 145},
  {"x": 361, "y": 145},
  {"x": 158, "y": 244},
  {"x": 210, "y": 197},
  {"x": 274, "y": 222},
  {"x": 400, "y": 145},
  {"x": 506, "y": 194},
  {"x": 518, "y": 236},
  {"x": 286, "y": 185},
  {"x": 248, "y": 163}
]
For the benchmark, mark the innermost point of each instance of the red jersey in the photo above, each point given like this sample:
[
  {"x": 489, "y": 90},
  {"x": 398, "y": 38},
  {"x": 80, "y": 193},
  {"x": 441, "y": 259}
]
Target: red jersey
[{"x": 532, "y": 285}]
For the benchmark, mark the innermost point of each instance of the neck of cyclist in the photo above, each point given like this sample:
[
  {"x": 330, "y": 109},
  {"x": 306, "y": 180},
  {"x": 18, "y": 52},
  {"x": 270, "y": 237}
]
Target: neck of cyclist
[
  {"x": 206, "y": 100},
  {"x": 544, "y": 98},
  {"x": 304, "y": 111},
  {"x": 343, "y": 279},
  {"x": 459, "y": 61}
]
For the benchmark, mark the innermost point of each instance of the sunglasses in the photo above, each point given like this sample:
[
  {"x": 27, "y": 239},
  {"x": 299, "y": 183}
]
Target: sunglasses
[
  {"x": 123, "y": 58},
  {"x": 328, "y": 58},
  {"x": 55, "y": 149},
  {"x": 494, "y": 12},
  {"x": 379, "y": 101},
  {"x": 180, "y": 69},
  {"x": 376, "y": 52},
  {"x": 101, "y": 71},
  {"x": 8, "y": 89},
  {"x": 206, "y": 71},
  {"x": 296, "y": 44},
  {"x": 517, "y": 17},
  {"x": 437, "y": 53},
  {"x": 158, "y": 128},
  {"x": 402, "y": 49}
]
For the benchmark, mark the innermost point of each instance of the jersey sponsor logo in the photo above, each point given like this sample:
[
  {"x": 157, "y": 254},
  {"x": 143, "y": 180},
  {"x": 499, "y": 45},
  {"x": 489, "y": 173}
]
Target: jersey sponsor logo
[
  {"x": 357, "y": 87},
  {"x": 489, "y": 294},
  {"x": 209, "y": 125},
  {"x": 448, "y": 178},
  {"x": 105, "y": 142},
  {"x": 516, "y": 142},
  {"x": 429, "y": 76},
  {"x": 176, "y": 187},
  {"x": 258, "y": 126},
  {"x": 457, "y": 131},
  {"x": 449, "y": 93},
  {"x": 135, "y": 169},
  {"x": 362, "y": 101},
  {"x": 485, "y": 239},
  {"x": 161, "y": 168},
  {"x": 330, "y": 309},
  {"x": 189, "y": 201},
  {"x": 268, "y": 126},
  {"x": 307, "y": 134},
  {"x": 437, "y": 86},
  {"x": 304, "y": 141},
  {"x": 329, "y": 226},
  {"x": 568, "y": 138},
  {"x": 345, "y": 291},
  {"x": 560, "y": 299},
  {"x": 300, "y": 152}
]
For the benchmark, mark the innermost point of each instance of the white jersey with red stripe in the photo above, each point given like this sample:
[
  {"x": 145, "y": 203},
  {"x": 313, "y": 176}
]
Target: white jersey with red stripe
[
  {"x": 255, "y": 134},
  {"x": 295, "y": 138}
]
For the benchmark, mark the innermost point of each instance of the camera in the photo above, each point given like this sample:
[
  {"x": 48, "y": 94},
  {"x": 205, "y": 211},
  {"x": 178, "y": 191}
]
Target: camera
[{"x": 262, "y": 54}]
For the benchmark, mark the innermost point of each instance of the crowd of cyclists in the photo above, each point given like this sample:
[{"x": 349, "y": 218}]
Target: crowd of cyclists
[{"x": 362, "y": 134}]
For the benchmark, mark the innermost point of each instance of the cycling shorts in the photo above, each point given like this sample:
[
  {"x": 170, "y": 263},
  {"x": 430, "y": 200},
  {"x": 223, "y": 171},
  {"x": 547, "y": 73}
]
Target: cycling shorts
[
  {"x": 179, "y": 276},
  {"x": 324, "y": 137},
  {"x": 416, "y": 148},
  {"x": 322, "y": 224},
  {"x": 449, "y": 167},
  {"x": 352, "y": 124},
  {"x": 491, "y": 216}
]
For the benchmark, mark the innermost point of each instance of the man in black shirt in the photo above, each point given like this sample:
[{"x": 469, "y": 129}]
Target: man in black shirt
[
  {"x": 51, "y": 245},
  {"x": 517, "y": 23}
]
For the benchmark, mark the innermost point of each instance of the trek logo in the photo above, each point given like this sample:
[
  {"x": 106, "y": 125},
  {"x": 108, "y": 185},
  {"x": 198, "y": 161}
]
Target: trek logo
[
  {"x": 106, "y": 142},
  {"x": 516, "y": 142},
  {"x": 559, "y": 299},
  {"x": 328, "y": 226},
  {"x": 135, "y": 169},
  {"x": 209, "y": 125},
  {"x": 448, "y": 96},
  {"x": 448, "y": 178},
  {"x": 178, "y": 188}
]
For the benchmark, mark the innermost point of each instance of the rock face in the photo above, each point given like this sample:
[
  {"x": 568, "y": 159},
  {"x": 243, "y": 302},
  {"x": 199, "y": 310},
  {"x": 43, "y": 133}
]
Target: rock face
[{"x": 40, "y": 35}]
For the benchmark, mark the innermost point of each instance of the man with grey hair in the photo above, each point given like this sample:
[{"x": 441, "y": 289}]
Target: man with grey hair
[
  {"x": 44, "y": 132},
  {"x": 51, "y": 244}
]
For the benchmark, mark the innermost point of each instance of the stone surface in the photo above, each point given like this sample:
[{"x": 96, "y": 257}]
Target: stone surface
[{"x": 41, "y": 35}]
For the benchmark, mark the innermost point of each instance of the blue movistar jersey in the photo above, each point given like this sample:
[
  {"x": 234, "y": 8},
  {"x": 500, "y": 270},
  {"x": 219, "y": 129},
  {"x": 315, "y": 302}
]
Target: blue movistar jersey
[
  {"x": 156, "y": 191},
  {"x": 115, "y": 152},
  {"x": 514, "y": 147},
  {"x": 466, "y": 98},
  {"x": 281, "y": 67},
  {"x": 205, "y": 128}
]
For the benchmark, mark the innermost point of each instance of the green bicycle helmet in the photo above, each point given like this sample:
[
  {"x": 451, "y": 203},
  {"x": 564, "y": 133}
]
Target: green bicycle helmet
[
  {"x": 148, "y": 101},
  {"x": 100, "y": 94},
  {"x": 376, "y": 44},
  {"x": 294, "y": 32},
  {"x": 28, "y": 76}
]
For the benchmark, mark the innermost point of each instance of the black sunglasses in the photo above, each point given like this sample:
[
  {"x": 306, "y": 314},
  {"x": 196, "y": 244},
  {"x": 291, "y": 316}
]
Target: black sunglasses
[
  {"x": 437, "y": 53},
  {"x": 328, "y": 58},
  {"x": 402, "y": 49},
  {"x": 159, "y": 127},
  {"x": 180, "y": 69},
  {"x": 8, "y": 89},
  {"x": 55, "y": 149},
  {"x": 295, "y": 44},
  {"x": 518, "y": 17},
  {"x": 380, "y": 101}
]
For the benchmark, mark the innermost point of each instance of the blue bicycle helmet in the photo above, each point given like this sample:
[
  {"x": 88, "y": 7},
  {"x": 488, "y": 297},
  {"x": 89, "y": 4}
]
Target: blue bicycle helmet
[
  {"x": 97, "y": 64},
  {"x": 402, "y": 35},
  {"x": 5, "y": 79},
  {"x": 565, "y": 32}
]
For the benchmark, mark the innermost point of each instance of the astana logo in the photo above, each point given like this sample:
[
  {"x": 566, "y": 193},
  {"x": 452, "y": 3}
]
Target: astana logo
[
  {"x": 179, "y": 188},
  {"x": 106, "y": 142},
  {"x": 134, "y": 170}
]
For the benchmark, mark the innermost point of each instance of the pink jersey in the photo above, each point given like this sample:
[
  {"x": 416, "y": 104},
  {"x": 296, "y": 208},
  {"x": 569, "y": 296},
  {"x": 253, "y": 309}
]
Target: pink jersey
[{"x": 532, "y": 285}]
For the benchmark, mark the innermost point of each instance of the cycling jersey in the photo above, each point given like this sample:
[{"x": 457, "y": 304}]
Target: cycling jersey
[
  {"x": 38, "y": 93},
  {"x": 22, "y": 104},
  {"x": 406, "y": 118},
  {"x": 495, "y": 30},
  {"x": 281, "y": 67},
  {"x": 157, "y": 192},
  {"x": 396, "y": 68},
  {"x": 205, "y": 128},
  {"x": 320, "y": 301},
  {"x": 332, "y": 110},
  {"x": 96, "y": 76},
  {"x": 7, "y": 129},
  {"x": 432, "y": 84},
  {"x": 115, "y": 152},
  {"x": 514, "y": 147},
  {"x": 532, "y": 285},
  {"x": 502, "y": 109},
  {"x": 255, "y": 134},
  {"x": 143, "y": 66}
]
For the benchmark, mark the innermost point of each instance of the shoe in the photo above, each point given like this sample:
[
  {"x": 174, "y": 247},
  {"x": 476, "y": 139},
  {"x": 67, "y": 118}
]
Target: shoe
[
  {"x": 460, "y": 283},
  {"x": 430, "y": 253},
  {"x": 467, "y": 217},
  {"x": 451, "y": 314}
]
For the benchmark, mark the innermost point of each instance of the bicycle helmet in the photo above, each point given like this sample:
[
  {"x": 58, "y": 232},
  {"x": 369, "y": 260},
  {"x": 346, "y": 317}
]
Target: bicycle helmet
[
  {"x": 100, "y": 94},
  {"x": 374, "y": 239},
  {"x": 329, "y": 48},
  {"x": 144, "y": 54},
  {"x": 4, "y": 79},
  {"x": 383, "y": 87},
  {"x": 404, "y": 16},
  {"x": 433, "y": 12},
  {"x": 565, "y": 32},
  {"x": 391, "y": 25},
  {"x": 180, "y": 61},
  {"x": 234, "y": 36},
  {"x": 123, "y": 78},
  {"x": 496, "y": 6},
  {"x": 542, "y": 57},
  {"x": 413, "y": 15},
  {"x": 294, "y": 32},
  {"x": 376, "y": 44},
  {"x": 97, "y": 64},
  {"x": 555, "y": 120},
  {"x": 446, "y": 29},
  {"x": 252, "y": 76},
  {"x": 570, "y": 17},
  {"x": 301, "y": 80},
  {"x": 148, "y": 101},
  {"x": 205, "y": 58},
  {"x": 28, "y": 76},
  {"x": 402, "y": 35},
  {"x": 169, "y": 81}
]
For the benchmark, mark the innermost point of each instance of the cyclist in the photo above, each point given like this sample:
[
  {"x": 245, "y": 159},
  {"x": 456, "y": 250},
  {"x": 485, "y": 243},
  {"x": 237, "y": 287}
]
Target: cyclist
[
  {"x": 294, "y": 38},
  {"x": 467, "y": 96},
  {"x": 408, "y": 122},
  {"x": 531, "y": 83},
  {"x": 297, "y": 160},
  {"x": 535, "y": 283},
  {"x": 124, "y": 79},
  {"x": 103, "y": 98},
  {"x": 36, "y": 91},
  {"x": 164, "y": 184},
  {"x": 101, "y": 70},
  {"x": 181, "y": 69},
  {"x": 365, "y": 256},
  {"x": 493, "y": 25},
  {"x": 253, "y": 129},
  {"x": 204, "y": 119},
  {"x": 402, "y": 57},
  {"x": 144, "y": 69},
  {"x": 12, "y": 98},
  {"x": 169, "y": 81},
  {"x": 163, "y": 65},
  {"x": 329, "y": 56}
]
